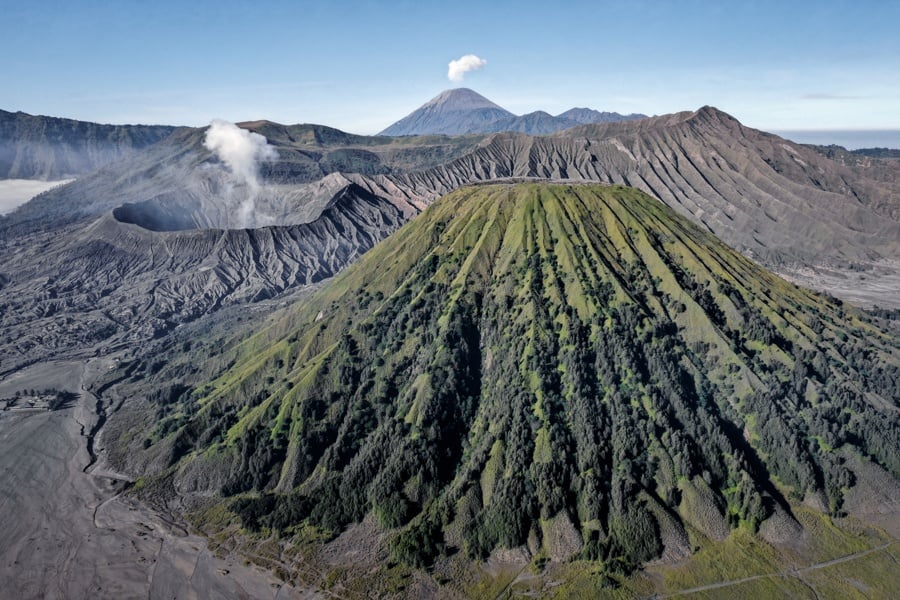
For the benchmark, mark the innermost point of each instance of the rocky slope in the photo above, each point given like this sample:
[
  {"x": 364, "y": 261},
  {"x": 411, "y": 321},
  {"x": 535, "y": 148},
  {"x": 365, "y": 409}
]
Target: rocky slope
[
  {"x": 49, "y": 148},
  {"x": 571, "y": 369},
  {"x": 827, "y": 224},
  {"x": 462, "y": 111},
  {"x": 188, "y": 186},
  {"x": 108, "y": 283},
  {"x": 779, "y": 202}
]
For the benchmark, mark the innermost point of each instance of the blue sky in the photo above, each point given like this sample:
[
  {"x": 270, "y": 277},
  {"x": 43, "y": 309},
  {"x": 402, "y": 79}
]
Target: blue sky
[{"x": 361, "y": 65}]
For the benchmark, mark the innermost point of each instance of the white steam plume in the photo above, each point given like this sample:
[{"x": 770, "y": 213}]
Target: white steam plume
[
  {"x": 241, "y": 151},
  {"x": 459, "y": 67}
]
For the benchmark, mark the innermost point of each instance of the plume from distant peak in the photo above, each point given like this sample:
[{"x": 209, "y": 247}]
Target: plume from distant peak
[
  {"x": 241, "y": 151},
  {"x": 458, "y": 68},
  {"x": 463, "y": 111}
]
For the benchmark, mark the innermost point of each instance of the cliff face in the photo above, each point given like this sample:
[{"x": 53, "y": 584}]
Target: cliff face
[
  {"x": 780, "y": 202},
  {"x": 110, "y": 282},
  {"x": 49, "y": 148}
]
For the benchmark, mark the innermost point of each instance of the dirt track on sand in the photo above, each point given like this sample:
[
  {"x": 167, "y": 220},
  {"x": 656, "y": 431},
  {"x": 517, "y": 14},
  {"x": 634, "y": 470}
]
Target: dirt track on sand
[{"x": 67, "y": 534}]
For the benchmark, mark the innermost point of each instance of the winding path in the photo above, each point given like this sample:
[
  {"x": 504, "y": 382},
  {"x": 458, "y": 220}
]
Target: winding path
[
  {"x": 785, "y": 573},
  {"x": 67, "y": 533}
]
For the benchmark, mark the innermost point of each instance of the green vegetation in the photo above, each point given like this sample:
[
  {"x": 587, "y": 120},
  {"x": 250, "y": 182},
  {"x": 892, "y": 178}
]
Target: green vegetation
[{"x": 526, "y": 353}]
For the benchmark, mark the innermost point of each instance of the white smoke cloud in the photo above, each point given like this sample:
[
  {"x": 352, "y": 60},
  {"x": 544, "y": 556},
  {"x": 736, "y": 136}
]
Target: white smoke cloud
[
  {"x": 241, "y": 151},
  {"x": 459, "y": 67}
]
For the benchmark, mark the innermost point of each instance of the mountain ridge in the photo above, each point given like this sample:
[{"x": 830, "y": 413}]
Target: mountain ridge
[
  {"x": 584, "y": 116},
  {"x": 51, "y": 148},
  {"x": 462, "y": 111}
]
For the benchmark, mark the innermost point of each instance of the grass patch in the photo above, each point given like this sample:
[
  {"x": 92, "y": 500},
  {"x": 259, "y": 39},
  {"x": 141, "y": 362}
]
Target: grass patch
[{"x": 740, "y": 555}]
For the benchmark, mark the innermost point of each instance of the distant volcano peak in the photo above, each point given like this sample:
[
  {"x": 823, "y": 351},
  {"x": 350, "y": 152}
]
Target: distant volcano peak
[
  {"x": 461, "y": 99},
  {"x": 460, "y": 111}
]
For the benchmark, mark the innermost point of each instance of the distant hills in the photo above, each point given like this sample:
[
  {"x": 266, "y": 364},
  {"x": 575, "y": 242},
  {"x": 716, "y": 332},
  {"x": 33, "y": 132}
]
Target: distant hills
[
  {"x": 464, "y": 111},
  {"x": 50, "y": 148},
  {"x": 833, "y": 150},
  {"x": 890, "y": 153}
]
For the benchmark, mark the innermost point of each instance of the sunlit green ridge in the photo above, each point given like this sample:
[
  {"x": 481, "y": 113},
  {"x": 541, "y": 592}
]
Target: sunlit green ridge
[{"x": 571, "y": 367}]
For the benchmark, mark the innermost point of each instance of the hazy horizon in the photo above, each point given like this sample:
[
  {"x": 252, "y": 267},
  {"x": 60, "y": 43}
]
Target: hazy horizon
[
  {"x": 851, "y": 139},
  {"x": 16, "y": 192}
]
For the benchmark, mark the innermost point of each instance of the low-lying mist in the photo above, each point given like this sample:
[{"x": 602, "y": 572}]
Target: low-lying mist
[{"x": 16, "y": 192}]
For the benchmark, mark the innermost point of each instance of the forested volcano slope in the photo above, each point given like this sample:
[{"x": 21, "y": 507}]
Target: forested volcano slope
[{"x": 572, "y": 367}]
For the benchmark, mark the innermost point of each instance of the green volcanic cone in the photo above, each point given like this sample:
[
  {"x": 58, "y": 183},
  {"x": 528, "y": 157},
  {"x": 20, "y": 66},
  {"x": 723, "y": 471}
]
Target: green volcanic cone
[{"x": 574, "y": 368}]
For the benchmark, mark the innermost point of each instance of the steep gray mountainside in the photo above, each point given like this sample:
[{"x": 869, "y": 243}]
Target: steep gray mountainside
[
  {"x": 49, "y": 148},
  {"x": 464, "y": 111},
  {"x": 188, "y": 187},
  {"x": 782, "y": 203},
  {"x": 145, "y": 237},
  {"x": 107, "y": 283}
]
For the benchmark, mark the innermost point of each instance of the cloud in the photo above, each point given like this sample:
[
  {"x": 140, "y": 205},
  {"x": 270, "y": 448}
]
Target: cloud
[
  {"x": 241, "y": 151},
  {"x": 459, "y": 67},
  {"x": 15, "y": 192}
]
